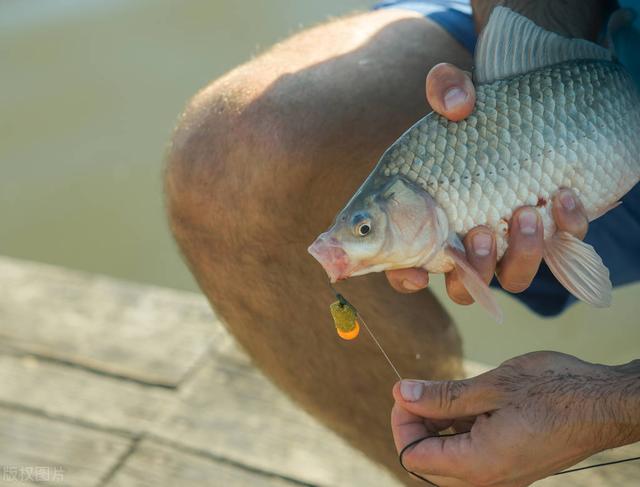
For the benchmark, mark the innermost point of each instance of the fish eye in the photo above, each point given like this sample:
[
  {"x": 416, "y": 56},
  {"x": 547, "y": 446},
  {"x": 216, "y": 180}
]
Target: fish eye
[
  {"x": 363, "y": 228},
  {"x": 361, "y": 224}
]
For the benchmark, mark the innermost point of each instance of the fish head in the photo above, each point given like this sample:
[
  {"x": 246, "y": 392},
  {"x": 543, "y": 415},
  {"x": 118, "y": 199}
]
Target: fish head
[{"x": 395, "y": 226}]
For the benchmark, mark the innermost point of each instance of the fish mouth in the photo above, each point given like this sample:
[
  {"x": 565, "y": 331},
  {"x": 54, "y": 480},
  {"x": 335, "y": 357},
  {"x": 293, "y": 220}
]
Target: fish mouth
[{"x": 332, "y": 257}]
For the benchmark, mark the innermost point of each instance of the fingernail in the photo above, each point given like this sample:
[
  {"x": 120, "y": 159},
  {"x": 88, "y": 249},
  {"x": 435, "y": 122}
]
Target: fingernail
[
  {"x": 454, "y": 98},
  {"x": 411, "y": 390},
  {"x": 410, "y": 286},
  {"x": 567, "y": 200},
  {"x": 481, "y": 244},
  {"x": 528, "y": 220}
]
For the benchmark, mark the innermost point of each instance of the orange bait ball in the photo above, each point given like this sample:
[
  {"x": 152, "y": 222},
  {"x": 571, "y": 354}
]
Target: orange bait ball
[
  {"x": 344, "y": 317},
  {"x": 349, "y": 335}
]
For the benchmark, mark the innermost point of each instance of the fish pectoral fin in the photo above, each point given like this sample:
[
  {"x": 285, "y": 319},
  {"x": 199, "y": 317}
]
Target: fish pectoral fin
[
  {"x": 477, "y": 288},
  {"x": 578, "y": 267}
]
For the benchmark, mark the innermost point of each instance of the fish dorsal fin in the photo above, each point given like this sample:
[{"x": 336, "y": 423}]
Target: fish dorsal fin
[{"x": 511, "y": 44}]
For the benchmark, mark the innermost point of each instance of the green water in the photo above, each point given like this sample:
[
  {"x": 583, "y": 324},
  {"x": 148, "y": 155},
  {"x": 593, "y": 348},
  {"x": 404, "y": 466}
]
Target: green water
[{"x": 90, "y": 91}]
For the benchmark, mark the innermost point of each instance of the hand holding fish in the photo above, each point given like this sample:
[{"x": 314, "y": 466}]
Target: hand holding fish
[
  {"x": 522, "y": 420},
  {"x": 551, "y": 113},
  {"x": 451, "y": 93}
]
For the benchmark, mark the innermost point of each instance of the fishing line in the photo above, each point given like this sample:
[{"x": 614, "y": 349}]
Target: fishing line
[
  {"x": 343, "y": 300},
  {"x": 379, "y": 346}
]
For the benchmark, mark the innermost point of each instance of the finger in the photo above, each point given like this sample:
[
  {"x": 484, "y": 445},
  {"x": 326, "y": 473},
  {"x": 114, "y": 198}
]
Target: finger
[
  {"x": 480, "y": 249},
  {"x": 408, "y": 280},
  {"x": 408, "y": 428},
  {"x": 569, "y": 214},
  {"x": 450, "y": 91},
  {"x": 455, "y": 399},
  {"x": 445, "y": 456},
  {"x": 412, "y": 427},
  {"x": 520, "y": 263},
  {"x": 456, "y": 290}
]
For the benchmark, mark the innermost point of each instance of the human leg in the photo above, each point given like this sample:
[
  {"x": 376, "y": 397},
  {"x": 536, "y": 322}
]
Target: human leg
[{"x": 261, "y": 160}]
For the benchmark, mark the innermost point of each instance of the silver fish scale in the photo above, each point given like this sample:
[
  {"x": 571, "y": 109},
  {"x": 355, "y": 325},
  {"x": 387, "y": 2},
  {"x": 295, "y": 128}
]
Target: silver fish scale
[{"x": 575, "y": 125}]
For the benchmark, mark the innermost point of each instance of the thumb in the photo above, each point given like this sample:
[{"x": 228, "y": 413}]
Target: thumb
[
  {"x": 447, "y": 399},
  {"x": 450, "y": 92}
]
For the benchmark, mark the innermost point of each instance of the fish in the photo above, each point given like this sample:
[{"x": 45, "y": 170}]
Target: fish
[{"x": 551, "y": 113}]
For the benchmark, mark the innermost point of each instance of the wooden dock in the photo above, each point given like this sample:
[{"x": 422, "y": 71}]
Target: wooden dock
[{"x": 108, "y": 383}]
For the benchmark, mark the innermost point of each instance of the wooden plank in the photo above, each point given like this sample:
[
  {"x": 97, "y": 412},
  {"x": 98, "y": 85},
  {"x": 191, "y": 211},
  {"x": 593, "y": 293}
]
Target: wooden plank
[
  {"x": 231, "y": 411},
  {"x": 147, "y": 333},
  {"x": 154, "y": 465},
  {"x": 227, "y": 409},
  {"x": 59, "y": 390},
  {"x": 65, "y": 454}
]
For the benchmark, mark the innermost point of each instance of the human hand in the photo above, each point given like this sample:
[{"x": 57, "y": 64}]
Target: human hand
[
  {"x": 534, "y": 415},
  {"x": 450, "y": 92}
]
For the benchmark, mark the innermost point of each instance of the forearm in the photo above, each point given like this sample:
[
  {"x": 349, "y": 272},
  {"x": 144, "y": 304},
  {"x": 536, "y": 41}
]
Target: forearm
[
  {"x": 624, "y": 403},
  {"x": 571, "y": 18}
]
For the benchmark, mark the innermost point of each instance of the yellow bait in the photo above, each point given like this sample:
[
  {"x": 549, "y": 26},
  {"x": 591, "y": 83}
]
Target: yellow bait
[{"x": 345, "y": 318}]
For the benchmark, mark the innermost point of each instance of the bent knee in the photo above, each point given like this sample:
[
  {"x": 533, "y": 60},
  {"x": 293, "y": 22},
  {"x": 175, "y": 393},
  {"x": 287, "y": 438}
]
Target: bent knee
[
  {"x": 211, "y": 143},
  {"x": 270, "y": 153},
  {"x": 233, "y": 167}
]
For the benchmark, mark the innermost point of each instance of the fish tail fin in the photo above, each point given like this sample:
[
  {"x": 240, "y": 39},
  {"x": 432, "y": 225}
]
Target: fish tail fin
[
  {"x": 623, "y": 38},
  {"x": 477, "y": 288},
  {"x": 620, "y": 19},
  {"x": 578, "y": 268}
]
